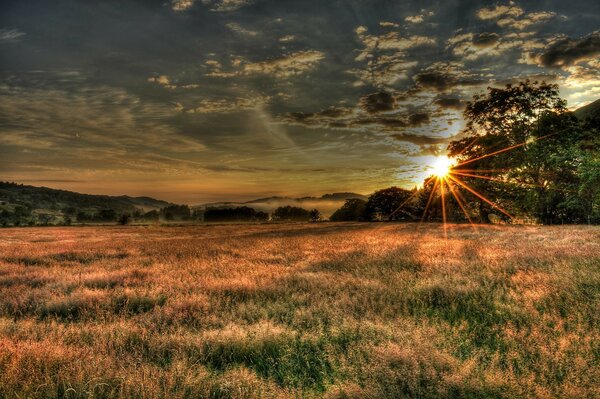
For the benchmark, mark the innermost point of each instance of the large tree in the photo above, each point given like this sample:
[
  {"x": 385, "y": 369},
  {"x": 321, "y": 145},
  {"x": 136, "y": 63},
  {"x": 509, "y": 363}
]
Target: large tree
[{"x": 521, "y": 138}]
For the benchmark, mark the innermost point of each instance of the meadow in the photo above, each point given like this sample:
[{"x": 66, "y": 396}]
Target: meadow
[{"x": 349, "y": 310}]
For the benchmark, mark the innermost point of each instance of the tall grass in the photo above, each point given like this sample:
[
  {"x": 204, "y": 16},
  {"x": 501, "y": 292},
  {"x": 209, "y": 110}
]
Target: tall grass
[{"x": 315, "y": 310}]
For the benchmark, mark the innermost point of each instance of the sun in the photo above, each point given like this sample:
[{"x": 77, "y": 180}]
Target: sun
[{"x": 442, "y": 166}]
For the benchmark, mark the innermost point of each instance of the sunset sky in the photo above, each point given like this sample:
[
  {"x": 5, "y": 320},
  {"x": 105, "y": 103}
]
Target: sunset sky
[{"x": 204, "y": 100}]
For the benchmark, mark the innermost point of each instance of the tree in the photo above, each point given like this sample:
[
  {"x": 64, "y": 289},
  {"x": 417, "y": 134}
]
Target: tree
[
  {"x": 315, "y": 215},
  {"x": 151, "y": 216},
  {"x": 107, "y": 215},
  {"x": 291, "y": 213},
  {"x": 513, "y": 136},
  {"x": 125, "y": 219},
  {"x": 239, "y": 214},
  {"x": 352, "y": 210},
  {"x": 392, "y": 203},
  {"x": 176, "y": 212}
]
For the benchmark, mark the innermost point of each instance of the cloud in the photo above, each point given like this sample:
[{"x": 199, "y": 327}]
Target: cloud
[
  {"x": 165, "y": 81},
  {"x": 288, "y": 65},
  {"x": 11, "y": 35},
  {"x": 360, "y": 118},
  {"x": 418, "y": 119},
  {"x": 285, "y": 66},
  {"x": 182, "y": 5},
  {"x": 227, "y": 5},
  {"x": 385, "y": 24},
  {"x": 287, "y": 38},
  {"x": 385, "y": 56},
  {"x": 510, "y": 10},
  {"x": 471, "y": 46},
  {"x": 513, "y": 16},
  {"x": 107, "y": 121},
  {"x": 224, "y": 106},
  {"x": 449, "y": 103},
  {"x": 390, "y": 41},
  {"x": 567, "y": 51},
  {"x": 444, "y": 76},
  {"x": 215, "y": 5},
  {"x": 528, "y": 20},
  {"x": 485, "y": 39},
  {"x": 237, "y": 28},
  {"x": 162, "y": 80},
  {"x": 377, "y": 102},
  {"x": 419, "y": 18},
  {"x": 322, "y": 118},
  {"x": 420, "y": 140}
]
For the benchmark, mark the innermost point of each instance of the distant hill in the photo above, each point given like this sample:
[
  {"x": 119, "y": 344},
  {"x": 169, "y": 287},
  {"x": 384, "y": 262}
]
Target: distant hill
[
  {"x": 591, "y": 110},
  {"x": 326, "y": 203},
  {"x": 325, "y": 197},
  {"x": 13, "y": 194}
]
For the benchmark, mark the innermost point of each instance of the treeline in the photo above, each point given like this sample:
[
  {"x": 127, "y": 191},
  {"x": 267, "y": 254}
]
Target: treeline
[
  {"x": 247, "y": 214},
  {"x": 22, "y": 215}
]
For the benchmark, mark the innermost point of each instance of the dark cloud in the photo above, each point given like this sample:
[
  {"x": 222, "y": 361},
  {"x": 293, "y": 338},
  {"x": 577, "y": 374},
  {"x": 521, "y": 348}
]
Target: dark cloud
[
  {"x": 568, "y": 51},
  {"x": 378, "y": 102},
  {"x": 420, "y": 140},
  {"x": 485, "y": 39},
  {"x": 434, "y": 80},
  {"x": 442, "y": 77},
  {"x": 323, "y": 117},
  {"x": 419, "y": 119},
  {"x": 449, "y": 102}
]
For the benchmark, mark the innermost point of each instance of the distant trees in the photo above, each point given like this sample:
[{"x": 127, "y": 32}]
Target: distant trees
[
  {"x": 291, "y": 213},
  {"x": 106, "y": 215},
  {"x": 176, "y": 212},
  {"x": 151, "y": 216},
  {"x": 238, "y": 214},
  {"x": 352, "y": 210},
  {"x": 125, "y": 219},
  {"x": 315, "y": 215}
]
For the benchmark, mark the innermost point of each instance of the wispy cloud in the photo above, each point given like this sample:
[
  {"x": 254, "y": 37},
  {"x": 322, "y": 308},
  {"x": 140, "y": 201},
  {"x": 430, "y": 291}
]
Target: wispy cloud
[
  {"x": 420, "y": 17},
  {"x": 11, "y": 35}
]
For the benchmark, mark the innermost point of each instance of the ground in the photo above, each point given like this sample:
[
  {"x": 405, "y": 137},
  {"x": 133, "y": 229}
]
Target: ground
[{"x": 300, "y": 310}]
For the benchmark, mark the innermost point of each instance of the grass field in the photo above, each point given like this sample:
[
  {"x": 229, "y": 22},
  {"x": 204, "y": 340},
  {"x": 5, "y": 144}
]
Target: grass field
[{"x": 305, "y": 310}]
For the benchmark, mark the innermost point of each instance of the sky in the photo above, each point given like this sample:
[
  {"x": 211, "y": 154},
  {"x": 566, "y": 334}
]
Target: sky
[{"x": 207, "y": 100}]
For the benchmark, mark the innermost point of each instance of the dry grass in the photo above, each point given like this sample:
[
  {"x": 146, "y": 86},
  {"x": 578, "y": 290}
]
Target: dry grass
[{"x": 309, "y": 310}]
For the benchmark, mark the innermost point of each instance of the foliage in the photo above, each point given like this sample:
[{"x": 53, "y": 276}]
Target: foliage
[
  {"x": 529, "y": 153},
  {"x": 352, "y": 210},
  {"x": 176, "y": 212},
  {"x": 239, "y": 214},
  {"x": 389, "y": 204},
  {"x": 315, "y": 215},
  {"x": 291, "y": 213}
]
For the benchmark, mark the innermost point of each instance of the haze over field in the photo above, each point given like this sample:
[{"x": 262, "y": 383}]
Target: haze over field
[{"x": 201, "y": 101}]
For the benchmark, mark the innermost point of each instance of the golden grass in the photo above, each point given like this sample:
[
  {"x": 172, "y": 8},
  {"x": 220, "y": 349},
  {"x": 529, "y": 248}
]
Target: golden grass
[{"x": 301, "y": 310}]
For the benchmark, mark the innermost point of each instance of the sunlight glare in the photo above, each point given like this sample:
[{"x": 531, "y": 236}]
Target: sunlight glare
[{"x": 441, "y": 166}]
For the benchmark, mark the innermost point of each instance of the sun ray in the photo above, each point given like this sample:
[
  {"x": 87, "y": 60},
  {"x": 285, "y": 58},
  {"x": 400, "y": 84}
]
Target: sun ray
[
  {"x": 472, "y": 191},
  {"x": 457, "y": 196},
  {"x": 442, "y": 180},
  {"x": 480, "y": 170},
  {"x": 512, "y": 147},
  {"x": 413, "y": 195},
  {"x": 428, "y": 202},
  {"x": 497, "y": 180}
]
